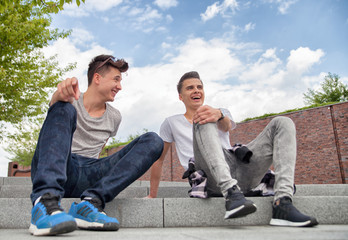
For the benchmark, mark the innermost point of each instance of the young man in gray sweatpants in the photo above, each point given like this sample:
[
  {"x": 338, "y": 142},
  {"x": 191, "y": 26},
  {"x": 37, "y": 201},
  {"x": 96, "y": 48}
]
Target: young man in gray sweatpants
[{"x": 226, "y": 174}]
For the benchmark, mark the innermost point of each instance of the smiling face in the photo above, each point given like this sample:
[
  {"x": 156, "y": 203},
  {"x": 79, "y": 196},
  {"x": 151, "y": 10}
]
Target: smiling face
[
  {"x": 109, "y": 84},
  {"x": 192, "y": 93}
]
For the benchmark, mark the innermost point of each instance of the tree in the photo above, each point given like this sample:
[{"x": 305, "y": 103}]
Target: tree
[
  {"x": 51, "y": 6},
  {"x": 332, "y": 90},
  {"x": 22, "y": 144},
  {"x": 26, "y": 76}
]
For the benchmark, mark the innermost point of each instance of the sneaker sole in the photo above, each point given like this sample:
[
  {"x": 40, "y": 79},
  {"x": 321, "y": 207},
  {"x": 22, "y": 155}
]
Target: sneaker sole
[
  {"x": 82, "y": 224},
  {"x": 61, "y": 228},
  {"x": 286, "y": 223},
  {"x": 241, "y": 211}
]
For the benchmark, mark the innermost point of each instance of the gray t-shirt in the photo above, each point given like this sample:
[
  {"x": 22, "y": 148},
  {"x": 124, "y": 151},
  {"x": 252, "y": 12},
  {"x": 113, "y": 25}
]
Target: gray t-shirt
[{"x": 91, "y": 133}]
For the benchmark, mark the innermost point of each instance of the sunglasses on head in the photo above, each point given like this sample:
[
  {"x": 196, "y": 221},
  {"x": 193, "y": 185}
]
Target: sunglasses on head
[{"x": 113, "y": 59}]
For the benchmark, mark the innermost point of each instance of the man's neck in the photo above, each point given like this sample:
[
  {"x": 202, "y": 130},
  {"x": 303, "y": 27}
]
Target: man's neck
[
  {"x": 189, "y": 114},
  {"x": 93, "y": 105}
]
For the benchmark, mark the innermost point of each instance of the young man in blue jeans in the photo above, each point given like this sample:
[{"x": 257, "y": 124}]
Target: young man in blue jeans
[
  {"x": 203, "y": 133},
  {"x": 66, "y": 164}
]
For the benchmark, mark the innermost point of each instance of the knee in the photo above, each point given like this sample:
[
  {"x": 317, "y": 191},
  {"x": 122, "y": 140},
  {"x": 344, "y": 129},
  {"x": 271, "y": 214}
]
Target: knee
[
  {"x": 65, "y": 109},
  {"x": 211, "y": 126},
  {"x": 284, "y": 122},
  {"x": 155, "y": 141}
]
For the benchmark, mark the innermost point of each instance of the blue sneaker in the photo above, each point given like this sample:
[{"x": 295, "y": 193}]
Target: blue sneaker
[
  {"x": 89, "y": 215},
  {"x": 48, "y": 218}
]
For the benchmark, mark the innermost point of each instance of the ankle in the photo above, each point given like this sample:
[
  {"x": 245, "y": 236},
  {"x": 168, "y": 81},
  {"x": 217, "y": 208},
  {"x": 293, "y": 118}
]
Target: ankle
[{"x": 281, "y": 200}]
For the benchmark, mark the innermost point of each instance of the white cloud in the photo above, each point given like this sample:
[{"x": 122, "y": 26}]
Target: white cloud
[
  {"x": 165, "y": 45},
  {"x": 250, "y": 26},
  {"x": 283, "y": 5},
  {"x": 217, "y": 8},
  {"x": 166, "y": 4},
  {"x": 90, "y": 6},
  {"x": 4, "y": 162},
  {"x": 169, "y": 18},
  {"x": 264, "y": 69},
  {"x": 81, "y": 36},
  {"x": 211, "y": 12},
  {"x": 302, "y": 59},
  {"x": 67, "y": 52},
  {"x": 248, "y": 86},
  {"x": 228, "y": 80},
  {"x": 149, "y": 14}
]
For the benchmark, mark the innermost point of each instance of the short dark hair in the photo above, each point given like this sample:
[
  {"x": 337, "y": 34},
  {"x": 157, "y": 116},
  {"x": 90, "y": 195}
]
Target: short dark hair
[
  {"x": 97, "y": 66},
  {"x": 192, "y": 74}
]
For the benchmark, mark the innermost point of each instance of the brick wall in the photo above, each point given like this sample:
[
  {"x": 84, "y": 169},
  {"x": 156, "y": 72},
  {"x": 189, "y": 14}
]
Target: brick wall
[{"x": 322, "y": 145}]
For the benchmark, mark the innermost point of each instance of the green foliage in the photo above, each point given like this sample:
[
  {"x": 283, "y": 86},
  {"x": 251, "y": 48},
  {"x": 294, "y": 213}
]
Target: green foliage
[
  {"x": 22, "y": 145},
  {"x": 46, "y": 6},
  {"x": 26, "y": 75},
  {"x": 288, "y": 111},
  {"x": 117, "y": 143},
  {"x": 332, "y": 90}
]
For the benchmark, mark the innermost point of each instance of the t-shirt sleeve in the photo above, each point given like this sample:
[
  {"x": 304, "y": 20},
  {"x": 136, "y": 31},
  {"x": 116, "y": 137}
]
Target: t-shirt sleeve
[
  {"x": 227, "y": 113},
  {"x": 116, "y": 118},
  {"x": 166, "y": 131}
]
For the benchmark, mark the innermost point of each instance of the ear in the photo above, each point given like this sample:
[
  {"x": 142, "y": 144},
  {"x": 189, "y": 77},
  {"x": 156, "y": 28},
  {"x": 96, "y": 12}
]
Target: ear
[
  {"x": 180, "y": 97},
  {"x": 96, "y": 78}
]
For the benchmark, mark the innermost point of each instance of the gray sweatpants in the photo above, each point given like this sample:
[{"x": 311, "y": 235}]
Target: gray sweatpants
[{"x": 276, "y": 145}]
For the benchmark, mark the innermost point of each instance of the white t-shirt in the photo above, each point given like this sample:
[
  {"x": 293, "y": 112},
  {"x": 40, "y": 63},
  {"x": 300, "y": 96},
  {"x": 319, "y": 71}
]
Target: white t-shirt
[{"x": 179, "y": 130}]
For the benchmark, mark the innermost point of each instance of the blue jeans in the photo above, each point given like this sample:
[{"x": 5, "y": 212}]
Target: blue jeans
[
  {"x": 276, "y": 145},
  {"x": 56, "y": 170}
]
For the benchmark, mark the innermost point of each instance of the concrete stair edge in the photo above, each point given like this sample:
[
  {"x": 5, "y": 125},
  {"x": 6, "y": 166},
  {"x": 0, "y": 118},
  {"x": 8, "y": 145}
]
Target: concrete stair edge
[
  {"x": 184, "y": 212},
  {"x": 138, "y": 191}
]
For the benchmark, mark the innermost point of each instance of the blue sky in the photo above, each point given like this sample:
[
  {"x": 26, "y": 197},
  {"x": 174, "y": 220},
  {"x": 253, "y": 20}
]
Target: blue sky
[
  {"x": 139, "y": 28},
  {"x": 255, "y": 57}
]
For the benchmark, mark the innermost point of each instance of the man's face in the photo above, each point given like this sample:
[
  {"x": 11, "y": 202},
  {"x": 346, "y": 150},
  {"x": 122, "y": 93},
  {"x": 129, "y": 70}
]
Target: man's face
[
  {"x": 110, "y": 84},
  {"x": 192, "y": 93}
]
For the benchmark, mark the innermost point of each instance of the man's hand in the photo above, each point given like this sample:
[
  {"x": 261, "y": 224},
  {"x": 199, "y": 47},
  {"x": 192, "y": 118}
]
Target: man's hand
[
  {"x": 67, "y": 91},
  {"x": 206, "y": 114}
]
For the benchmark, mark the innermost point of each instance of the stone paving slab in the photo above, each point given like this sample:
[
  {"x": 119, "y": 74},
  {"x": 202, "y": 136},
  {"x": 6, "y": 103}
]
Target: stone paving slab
[
  {"x": 138, "y": 183},
  {"x": 322, "y": 190},
  {"x": 320, "y": 232},
  {"x": 16, "y": 213},
  {"x": 17, "y": 181},
  {"x": 139, "y": 190},
  {"x": 183, "y": 212},
  {"x": 24, "y": 191}
]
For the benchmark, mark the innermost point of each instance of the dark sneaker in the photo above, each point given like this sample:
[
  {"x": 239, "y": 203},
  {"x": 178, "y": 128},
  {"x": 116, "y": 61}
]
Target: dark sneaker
[
  {"x": 237, "y": 205},
  {"x": 89, "y": 215},
  {"x": 285, "y": 214},
  {"x": 48, "y": 218}
]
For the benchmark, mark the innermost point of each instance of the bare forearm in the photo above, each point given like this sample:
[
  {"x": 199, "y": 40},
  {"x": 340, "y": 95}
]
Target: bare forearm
[
  {"x": 224, "y": 124},
  {"x": 156, "y": 173}
]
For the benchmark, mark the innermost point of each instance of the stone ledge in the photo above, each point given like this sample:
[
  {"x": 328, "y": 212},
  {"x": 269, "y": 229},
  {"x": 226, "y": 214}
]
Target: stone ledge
[{"x": 184, "y": 212}]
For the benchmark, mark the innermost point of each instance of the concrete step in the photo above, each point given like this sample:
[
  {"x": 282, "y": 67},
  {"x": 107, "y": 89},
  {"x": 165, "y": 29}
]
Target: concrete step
[
  {"x": 169, "y": 190},
  {"x": 322, "y": 232},
  {"x": 15, "y": 213},
  {"x": 27, "y": 181}
]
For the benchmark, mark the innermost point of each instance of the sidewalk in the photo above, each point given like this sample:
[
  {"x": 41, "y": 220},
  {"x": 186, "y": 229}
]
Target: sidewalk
[{"x": 320, "y": 232}]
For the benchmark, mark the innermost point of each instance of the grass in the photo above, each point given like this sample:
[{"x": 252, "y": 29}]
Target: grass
[{"x": 288, "y": 111}]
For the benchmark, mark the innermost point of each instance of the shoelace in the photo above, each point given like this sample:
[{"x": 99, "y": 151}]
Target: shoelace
[{"x": 96, "y": 203}]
